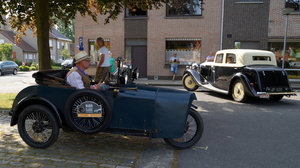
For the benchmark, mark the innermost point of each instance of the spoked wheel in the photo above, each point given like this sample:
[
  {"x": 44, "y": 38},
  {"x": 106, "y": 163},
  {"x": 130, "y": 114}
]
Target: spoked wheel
[
  {"x": 38, "y": 127},
  {"x": 192, "y": 133},
  {"x": 188, "y": 83},
  {"x": 238, "y": 92},
  {"x": 275, "y": 97},
  {"x": 87, "y": 111}
]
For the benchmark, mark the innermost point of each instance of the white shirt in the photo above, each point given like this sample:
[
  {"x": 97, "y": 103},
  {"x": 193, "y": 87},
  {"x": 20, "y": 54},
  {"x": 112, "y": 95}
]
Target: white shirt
[
  {"x": 74, "y": 79},
  {"x": 103, "y": 50}
]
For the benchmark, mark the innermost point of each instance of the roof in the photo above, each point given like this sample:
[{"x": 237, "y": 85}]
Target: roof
[
  {"x": 10, "y": 35},
  {"x": 56, "y": 34}
]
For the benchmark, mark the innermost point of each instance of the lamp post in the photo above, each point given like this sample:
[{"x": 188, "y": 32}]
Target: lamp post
[{"x": 285, "y": 11}]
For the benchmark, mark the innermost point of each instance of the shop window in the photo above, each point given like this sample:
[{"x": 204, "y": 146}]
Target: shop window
[
  {"x": 93, "y": 49},
  {"x": 184, "y": 8},
  {"x": 292, "y": 53},
  {"x": 188, "y": 50}
]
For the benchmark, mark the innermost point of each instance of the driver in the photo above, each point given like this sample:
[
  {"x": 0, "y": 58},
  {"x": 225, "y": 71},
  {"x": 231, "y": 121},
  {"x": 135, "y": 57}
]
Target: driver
[{"x": 76, "y": 77}]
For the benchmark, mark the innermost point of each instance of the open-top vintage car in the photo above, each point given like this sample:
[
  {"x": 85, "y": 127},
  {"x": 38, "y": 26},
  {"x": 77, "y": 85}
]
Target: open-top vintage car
[
  {"x": 124, "y": 108},
  {"x": 241, "y": 73}
]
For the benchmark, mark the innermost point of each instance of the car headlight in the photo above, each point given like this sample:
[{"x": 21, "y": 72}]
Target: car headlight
[
  {"x": 195, "y": 66},
  {"x": 135, "y": 73},
  {"x": 124, "y": 78}
]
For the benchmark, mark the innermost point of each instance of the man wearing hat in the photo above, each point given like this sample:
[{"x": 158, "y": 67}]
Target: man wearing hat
[{"x": 76, "y": 77}]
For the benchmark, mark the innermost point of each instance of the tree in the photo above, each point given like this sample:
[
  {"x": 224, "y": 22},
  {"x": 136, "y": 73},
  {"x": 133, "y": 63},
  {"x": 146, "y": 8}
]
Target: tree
[
  {"x": 38, "y": 15},
  {"x": 67, "y": 30},
  {"x": 5, "y": 51}
]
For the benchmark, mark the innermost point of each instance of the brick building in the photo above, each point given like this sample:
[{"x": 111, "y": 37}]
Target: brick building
[{"x": 148, "y": 38}]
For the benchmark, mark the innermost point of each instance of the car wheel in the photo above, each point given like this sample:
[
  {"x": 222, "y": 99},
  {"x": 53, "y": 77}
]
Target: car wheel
[
  {"x": 238, "y": 92},
  {"x": 275, "y": 97},
  {"x": 38, "y": 126},
  {"x": 188, "y": 83},
  {"x": 14, "y": 72},
  {"x": 87, "y": 111},
  {"x": 0, "y": 73},
  {"x": 192, "y": 133}
]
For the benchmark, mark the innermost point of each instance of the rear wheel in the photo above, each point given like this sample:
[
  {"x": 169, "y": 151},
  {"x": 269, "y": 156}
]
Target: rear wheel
[
  {"x": 0, "y": 73},
  {"x": 38, "y": 126},
  {"x": 188, "y": 83},
  {"x": 238, "y": 92},
  {"x": 275, "y": 97},
  {"x": 192, "y": 133}
]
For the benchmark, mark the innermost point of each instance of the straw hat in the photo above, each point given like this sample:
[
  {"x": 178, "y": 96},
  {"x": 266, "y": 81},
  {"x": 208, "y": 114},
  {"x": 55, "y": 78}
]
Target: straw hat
[{"x": 82, "y": 55}]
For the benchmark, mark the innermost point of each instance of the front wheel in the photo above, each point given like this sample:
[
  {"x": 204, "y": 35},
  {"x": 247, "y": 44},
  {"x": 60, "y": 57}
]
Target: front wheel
[
  {"x": 38, "y": 126},
  {"x": 238, "y": 92},
  {"x": 192, "y": 133},
  {"x": 14, "y": 72},
  {"x": 188, "y": 83}
]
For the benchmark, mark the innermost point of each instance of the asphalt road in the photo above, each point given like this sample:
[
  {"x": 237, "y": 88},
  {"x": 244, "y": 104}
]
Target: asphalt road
[{"x": 259, "y": 133}]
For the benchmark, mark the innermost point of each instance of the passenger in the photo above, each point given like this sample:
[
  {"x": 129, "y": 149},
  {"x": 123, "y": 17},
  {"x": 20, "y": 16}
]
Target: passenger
[
  {"x": 229, "y": 60},
  {"x": 76, "y": 77}
]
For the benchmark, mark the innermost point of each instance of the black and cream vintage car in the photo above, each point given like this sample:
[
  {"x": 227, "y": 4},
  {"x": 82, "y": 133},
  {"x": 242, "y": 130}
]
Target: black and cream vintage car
[{"x": 242, "y": 73}]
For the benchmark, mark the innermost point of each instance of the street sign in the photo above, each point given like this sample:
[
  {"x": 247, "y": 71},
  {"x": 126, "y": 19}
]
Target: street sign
[{"x": 80, "y": 40}]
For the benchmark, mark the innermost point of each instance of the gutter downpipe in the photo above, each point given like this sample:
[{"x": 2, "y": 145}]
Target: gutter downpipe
[{"x": 222, "y": 23}]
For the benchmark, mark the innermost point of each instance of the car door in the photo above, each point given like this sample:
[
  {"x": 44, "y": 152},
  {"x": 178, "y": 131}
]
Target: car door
[
  {"x": 228, "y": 69},
  {"x": 5, "y": 67},
  {"x": 215, "y": 68}
]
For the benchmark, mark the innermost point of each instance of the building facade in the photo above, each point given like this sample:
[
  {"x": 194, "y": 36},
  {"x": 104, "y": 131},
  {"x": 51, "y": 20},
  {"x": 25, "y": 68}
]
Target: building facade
[{"x": 147, "y": 39}]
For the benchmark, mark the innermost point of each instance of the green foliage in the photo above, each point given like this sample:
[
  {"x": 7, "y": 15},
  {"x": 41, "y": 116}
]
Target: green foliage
[
  {"x": 65, "y": 53},
  {"x": 6, "y": 100},
  {"x": 5, "y": 51},
  {"x": 18, "y": 62},
  {"x": 32, "y": 68},
  {"x": 24, "y": 68},
  {"x": 34, "y": 64}
]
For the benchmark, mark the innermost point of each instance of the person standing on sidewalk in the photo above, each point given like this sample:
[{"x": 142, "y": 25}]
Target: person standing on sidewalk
[
  {"x": 103, "y": 64},
  {"x": 174, "y": 60},
  {"x": 210, "y": 57}
]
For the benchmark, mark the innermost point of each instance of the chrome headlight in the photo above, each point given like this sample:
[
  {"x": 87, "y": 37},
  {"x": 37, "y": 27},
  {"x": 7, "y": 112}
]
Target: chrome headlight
[
  {"x": 195, "y": 66},
  {"x": 135, "y": 73},
  {"x": 124, "y": 78}
]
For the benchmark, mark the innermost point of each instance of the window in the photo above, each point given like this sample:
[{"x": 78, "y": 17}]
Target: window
[
  {"x": 219, "y": 58},
  {"x": 246, "y": 45},
  {"x": 1, "y": 41},
  {"x": 93, "y": 49},
  {"x": 230, "y": 59},
  {"x": 261, "y": 58},
  {"x": 293, "y": 4},
  {"x": 135, "y": 12},
  {"x": 188, "y": 50},
  {"x": 50, "y": 43},
  {"x": 58, "y": 45},
  {"x": 249, "y": 1},
  {"x": 184, "y": 8}
]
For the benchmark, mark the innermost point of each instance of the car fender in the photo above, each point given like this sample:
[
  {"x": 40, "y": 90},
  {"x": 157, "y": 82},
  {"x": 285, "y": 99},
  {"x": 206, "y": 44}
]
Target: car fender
[
  {"x": 249, "y": 90},
  {"x": 30, "y": 100},
  {"x": 195, "y": 76}
]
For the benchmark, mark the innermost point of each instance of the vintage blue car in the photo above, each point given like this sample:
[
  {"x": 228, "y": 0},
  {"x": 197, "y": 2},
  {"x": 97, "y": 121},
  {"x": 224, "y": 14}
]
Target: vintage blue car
[
  {"x": 242, "y": 73},
  {"x": 125, "y": 108}
]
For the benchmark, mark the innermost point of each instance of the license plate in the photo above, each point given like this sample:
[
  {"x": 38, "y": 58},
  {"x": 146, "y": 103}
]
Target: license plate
[{"x": 264, "y": 96}]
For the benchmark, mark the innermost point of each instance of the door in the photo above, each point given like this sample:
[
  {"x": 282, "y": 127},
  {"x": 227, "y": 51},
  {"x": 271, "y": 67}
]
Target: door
[{"x": 139, "y": 59}]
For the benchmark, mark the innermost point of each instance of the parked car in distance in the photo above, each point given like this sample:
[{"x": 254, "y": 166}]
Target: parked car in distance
[
  {"x": 68, "y": 63},
  {"x": 8, "y": 67},
  {"x": 242, "y": 73}
]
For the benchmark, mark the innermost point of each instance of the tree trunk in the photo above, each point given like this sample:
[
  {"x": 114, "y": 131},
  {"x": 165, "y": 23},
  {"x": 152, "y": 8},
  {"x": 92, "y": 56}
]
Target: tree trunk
[{"x": 43, "y": 26}]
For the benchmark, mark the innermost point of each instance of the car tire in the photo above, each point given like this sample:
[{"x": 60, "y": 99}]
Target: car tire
[
  {"x": 0, "y": 73},
  {"x": 188, "y": 83},
  {"x": 87, "y": 125},
  {"x": 238, "y": 92},
  {"x": 14, "y": 72},
  {"x": 38, "y": 126},
  {"x": 192, "y": 134},
  {"x": 275, "y": 97}
]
